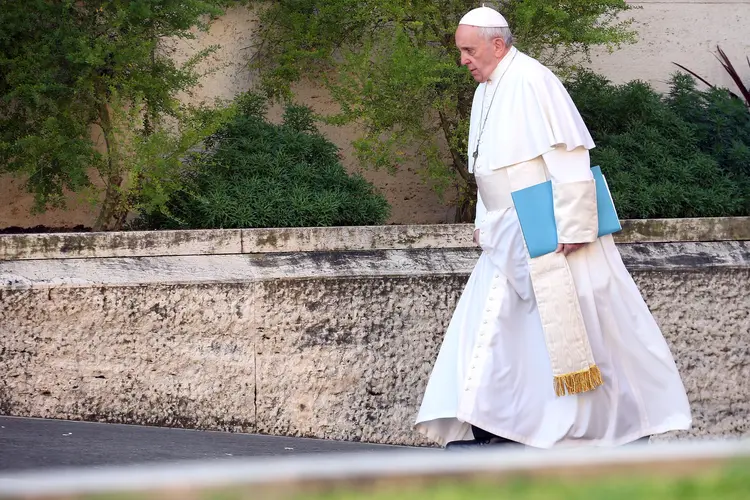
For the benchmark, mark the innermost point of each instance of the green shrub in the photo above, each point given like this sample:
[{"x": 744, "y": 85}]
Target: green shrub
[
  {"x": 722, "y": 127},
  {"x": 258, "y": 174},
  {"x": 686, "y": 154}
]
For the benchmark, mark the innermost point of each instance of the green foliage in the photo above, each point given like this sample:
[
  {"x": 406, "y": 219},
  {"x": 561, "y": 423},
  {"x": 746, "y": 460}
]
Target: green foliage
[
  {"x": 722, "y": 126},
  {"x": 686, "y": 154},
  {"x": 67, "y": 66},
  {"x": 259, "y": 174},
  {"x": 158, "y": 162},
  {"x": 727, "y": 483},
  {"x": 394, "y": 69}
]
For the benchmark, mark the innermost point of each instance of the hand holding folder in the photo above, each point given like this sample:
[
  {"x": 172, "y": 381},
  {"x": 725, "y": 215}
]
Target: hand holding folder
[{"x": 536, "y": 214}]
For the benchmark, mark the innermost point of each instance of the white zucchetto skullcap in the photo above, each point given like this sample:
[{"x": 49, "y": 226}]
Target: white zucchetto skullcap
[{"x": 484, "y": 17}]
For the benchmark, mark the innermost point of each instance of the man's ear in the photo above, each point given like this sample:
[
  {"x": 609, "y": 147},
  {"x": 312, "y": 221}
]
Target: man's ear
[{"x": 499, "y": 44}]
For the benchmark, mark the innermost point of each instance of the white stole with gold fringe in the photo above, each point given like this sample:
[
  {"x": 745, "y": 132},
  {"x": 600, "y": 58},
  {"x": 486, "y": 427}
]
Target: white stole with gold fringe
[{"x": 574, "y": 369}]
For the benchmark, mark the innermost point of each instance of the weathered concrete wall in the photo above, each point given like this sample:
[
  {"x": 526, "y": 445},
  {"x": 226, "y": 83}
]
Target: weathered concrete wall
[
  {"x": 335, "y": 344},
  {"x": 326, "y": 239}
]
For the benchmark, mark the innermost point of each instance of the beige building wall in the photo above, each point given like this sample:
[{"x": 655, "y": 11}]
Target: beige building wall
[{"x": 685, "y": 31}]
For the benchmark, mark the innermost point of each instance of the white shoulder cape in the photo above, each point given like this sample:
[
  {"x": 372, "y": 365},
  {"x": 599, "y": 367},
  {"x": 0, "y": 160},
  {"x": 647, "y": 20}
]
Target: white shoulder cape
[{"x": 531, "y": 115}]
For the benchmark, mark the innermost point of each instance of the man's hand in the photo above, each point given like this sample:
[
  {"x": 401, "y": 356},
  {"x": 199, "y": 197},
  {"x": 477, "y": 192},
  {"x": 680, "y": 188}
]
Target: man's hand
[
  {"x": 476, "y": 236},
  {"x": 569, "y": 248}
]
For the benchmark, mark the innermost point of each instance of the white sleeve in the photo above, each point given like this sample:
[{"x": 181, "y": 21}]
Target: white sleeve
[
  {"x": 481, "y": 212},
  {"x": 574, "y": 195}
]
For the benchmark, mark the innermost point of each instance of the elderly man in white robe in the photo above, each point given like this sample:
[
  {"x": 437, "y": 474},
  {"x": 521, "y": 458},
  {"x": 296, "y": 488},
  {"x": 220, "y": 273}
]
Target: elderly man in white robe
[{"x": 557, "y": 350}]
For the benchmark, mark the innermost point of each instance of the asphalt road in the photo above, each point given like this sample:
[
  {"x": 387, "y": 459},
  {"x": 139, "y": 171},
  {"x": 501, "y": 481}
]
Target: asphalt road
[{"x": 37, "y": 444}]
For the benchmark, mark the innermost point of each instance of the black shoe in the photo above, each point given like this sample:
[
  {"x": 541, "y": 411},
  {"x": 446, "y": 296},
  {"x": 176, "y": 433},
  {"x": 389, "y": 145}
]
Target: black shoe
[{"x": 476, "y": 443}]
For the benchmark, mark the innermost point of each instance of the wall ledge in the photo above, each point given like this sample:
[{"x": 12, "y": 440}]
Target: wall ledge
[
  {"x": 185, "y": 270},
  {"x": 326, "y": 239}
]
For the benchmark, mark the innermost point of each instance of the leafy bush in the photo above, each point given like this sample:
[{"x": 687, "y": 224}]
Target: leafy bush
[
  {"x": 258, "y": 174},
  {"x": 66, "y": 66},
  {"x": 685, "y": 154}
]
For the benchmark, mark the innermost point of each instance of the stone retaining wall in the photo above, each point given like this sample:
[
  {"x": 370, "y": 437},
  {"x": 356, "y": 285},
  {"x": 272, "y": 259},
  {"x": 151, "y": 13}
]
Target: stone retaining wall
[{"x": 325, "y": 332}]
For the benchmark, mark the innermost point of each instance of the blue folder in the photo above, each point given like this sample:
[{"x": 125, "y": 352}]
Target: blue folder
[{"x": 536, "y": 214}]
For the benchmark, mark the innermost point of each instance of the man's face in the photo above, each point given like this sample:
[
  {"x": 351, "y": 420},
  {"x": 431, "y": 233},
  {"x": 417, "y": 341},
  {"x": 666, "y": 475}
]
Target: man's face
[{"x": 477, "y": 53}]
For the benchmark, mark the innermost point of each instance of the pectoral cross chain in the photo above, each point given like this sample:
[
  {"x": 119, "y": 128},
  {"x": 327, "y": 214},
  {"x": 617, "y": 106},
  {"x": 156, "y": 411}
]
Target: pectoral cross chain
[{"x": 482, "y": 123}]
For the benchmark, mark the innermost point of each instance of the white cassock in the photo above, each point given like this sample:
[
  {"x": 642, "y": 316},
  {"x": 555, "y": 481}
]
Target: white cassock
[{"x": 493, "y": 369}]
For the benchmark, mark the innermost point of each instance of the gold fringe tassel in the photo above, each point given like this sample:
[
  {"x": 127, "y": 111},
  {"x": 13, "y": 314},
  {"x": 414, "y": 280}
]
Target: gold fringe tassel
[{"x": 577, "y": 382}]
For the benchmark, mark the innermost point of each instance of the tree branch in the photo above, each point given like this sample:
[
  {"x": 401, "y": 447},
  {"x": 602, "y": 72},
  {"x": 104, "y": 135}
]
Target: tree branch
[{"x": 458, "y": 164}]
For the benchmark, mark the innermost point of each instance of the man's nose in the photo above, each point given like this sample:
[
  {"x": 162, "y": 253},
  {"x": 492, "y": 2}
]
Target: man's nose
[{"x": 465, "y": 61}]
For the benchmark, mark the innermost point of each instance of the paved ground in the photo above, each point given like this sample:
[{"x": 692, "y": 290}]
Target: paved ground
[{"x": 33, "y": 444}]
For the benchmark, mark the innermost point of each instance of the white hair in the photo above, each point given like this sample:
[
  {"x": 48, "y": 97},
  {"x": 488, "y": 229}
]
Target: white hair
[{"x": 492, "y": 33}]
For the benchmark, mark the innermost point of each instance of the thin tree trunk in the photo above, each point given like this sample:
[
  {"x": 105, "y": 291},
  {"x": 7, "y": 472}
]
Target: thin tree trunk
[
  {"x": 113, "y": 178},
  {"x": 467, "y": 202},
  {"x": 467, "y": 191}
]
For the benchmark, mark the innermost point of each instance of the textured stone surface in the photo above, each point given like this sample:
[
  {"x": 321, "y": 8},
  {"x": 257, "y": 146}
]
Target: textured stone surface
[
  {"x": 336, "y": 345},
  {"x": 119, "y": 244},
  {"x": 705, "y": 317},
  {"x": 203, "y": 269},
  {"x": 703, "y": 229},
  {"x": 329, "y": 239},
  {"x": 326, "y": 239},
  {"x": 349, "y": 358},
  {"x": 686, "y": 255},
  {"x": 194, "y": 269},
  {"x": 161, "y": 355}
]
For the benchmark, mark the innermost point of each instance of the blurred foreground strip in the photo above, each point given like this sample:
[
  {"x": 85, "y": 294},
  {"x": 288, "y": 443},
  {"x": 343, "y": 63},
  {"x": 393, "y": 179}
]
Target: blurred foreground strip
[{"x": 662, "y": 471}]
